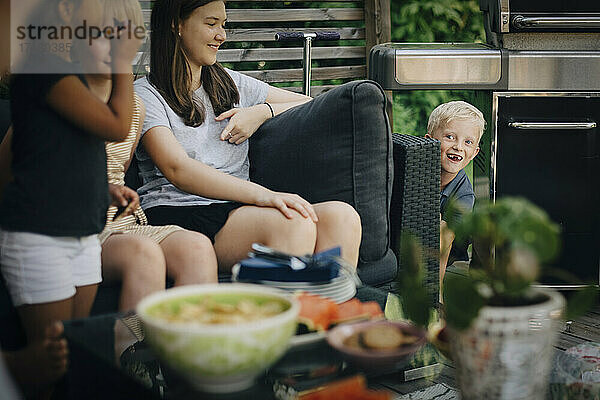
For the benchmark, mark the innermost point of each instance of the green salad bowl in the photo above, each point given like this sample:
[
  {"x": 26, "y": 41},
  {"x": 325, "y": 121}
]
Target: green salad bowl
[{"x": 224, "y": 357}]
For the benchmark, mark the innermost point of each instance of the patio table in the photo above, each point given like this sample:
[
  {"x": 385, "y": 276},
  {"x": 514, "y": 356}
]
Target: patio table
[{"x": 93, "y": 371}]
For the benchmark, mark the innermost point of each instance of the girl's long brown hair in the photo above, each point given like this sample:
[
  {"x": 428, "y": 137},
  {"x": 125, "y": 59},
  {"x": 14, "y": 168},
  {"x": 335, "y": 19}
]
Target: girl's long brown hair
[{"x": 170, "y": 71}]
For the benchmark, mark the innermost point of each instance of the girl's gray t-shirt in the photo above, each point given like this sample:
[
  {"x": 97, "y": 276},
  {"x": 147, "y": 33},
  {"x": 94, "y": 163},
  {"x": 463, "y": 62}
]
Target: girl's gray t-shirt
[{"x": 201, "y": 143}]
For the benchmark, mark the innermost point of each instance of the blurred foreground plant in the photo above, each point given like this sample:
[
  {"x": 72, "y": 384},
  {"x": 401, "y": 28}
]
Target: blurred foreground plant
[{"x": 514, "y": 240}]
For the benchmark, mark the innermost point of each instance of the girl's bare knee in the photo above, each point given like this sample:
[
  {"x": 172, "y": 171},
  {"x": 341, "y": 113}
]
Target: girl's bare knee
[
  {"x": 297, "y": 235},
  {"x": 192, "y": 260},
  {"x": 200, "y": 245},
  {"x": 145, "y": 260},
  {"x": 337, "y": 214},
  {"x": 143, "y": 248},
  {"x": 193, "y": 246}
]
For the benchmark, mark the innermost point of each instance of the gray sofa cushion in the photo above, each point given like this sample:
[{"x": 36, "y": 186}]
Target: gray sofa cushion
[{"x": 336, "y": 147}]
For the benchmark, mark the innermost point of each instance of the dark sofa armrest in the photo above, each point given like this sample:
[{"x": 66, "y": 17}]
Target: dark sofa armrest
[
  {"x": 336, "y": 147},
  {"x": 415, "y": 204}
]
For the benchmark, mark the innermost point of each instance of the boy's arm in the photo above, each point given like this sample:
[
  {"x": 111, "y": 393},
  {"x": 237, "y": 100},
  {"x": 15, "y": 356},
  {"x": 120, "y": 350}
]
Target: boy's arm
[
  {"x": 460, "y": 206},
  {"x": 446, "y": 239},
  {"x": 5, "y": 160}
]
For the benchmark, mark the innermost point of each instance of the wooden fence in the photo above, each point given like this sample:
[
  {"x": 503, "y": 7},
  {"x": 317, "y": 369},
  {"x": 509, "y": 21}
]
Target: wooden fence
[{"x": 251, "y": 47}]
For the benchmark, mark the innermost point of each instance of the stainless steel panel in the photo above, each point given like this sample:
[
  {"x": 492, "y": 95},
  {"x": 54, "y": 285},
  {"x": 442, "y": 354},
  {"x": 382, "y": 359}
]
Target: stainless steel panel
[
  {"x": 552, "y": 41},
  {"x": 521, "y": 22},
  {"x": 553, "y": 125},
  {"x": 562, "y": 287},
  {"x": 494, "y": 148},
  {"x": 504, "y": 16},
  {"x": 447, "y": 64},
  {"x": 559, "y": 70}
]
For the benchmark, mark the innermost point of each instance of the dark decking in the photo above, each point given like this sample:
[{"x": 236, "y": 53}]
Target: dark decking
[
  {"x": 443, "y": 386},
  {"x": 584, "y": 329}
]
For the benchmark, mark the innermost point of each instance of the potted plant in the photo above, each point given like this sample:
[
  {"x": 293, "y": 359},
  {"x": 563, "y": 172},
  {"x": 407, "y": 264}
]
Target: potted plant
[{"x": 501, "y": 326}]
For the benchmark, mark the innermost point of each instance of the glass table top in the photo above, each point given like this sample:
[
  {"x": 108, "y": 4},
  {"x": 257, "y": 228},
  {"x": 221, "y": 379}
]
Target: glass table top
[{"x": 109, "y": 357}]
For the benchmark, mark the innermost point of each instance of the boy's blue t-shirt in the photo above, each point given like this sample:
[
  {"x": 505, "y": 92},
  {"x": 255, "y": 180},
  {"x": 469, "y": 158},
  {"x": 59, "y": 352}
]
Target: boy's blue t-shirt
[{"x": 461, "y": 190}]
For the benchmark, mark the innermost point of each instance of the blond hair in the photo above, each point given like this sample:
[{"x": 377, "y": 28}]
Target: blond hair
[
  {"x": 123, "y": 11},
  {"x": 447, "y": 112}
]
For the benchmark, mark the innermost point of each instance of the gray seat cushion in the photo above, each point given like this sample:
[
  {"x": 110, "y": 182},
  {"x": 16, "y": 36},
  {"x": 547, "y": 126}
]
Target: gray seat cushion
[{"x": 336, "y": 147}]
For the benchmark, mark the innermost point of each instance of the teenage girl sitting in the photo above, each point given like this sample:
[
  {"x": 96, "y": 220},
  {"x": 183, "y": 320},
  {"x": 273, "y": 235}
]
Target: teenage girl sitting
[{"x": 194, "y": 155}]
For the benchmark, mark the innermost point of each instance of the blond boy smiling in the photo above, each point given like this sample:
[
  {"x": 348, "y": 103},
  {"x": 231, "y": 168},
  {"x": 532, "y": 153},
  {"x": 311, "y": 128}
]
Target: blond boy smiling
[{"x": 458, "y": 126}]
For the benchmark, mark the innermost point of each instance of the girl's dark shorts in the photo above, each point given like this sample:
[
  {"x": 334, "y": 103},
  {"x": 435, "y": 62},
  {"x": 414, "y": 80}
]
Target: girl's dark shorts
[{"x": 208, "y": 219}]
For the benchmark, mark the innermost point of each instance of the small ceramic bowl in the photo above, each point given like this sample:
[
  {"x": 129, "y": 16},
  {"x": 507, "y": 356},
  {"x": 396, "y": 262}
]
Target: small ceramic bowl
[{"x": 376, "y": 359}]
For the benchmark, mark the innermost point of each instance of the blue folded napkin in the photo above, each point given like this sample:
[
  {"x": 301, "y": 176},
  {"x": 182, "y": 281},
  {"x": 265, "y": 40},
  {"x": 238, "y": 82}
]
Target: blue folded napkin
[{"x": 321, "y": 267}]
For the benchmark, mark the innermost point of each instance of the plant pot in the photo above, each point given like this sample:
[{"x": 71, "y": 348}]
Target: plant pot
[{"x": 506, "y": 353}]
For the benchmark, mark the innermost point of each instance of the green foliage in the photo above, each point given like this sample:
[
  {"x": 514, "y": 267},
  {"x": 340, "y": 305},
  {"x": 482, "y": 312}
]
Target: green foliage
[
  {"x": 431, "y": 21},
  {"x": 520, "y": 234},
  {"x": 510, "y": 222},
  {"x": 415, "y": 305},
  {"x": 437, "y": 21},
  {"x": 514, "y": 238},
  {"x": 462, "y": 300},
  {"x": 412, "y": 109}
]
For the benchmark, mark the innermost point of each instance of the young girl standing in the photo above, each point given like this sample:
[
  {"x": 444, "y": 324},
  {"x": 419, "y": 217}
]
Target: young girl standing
[{"x": 55, "y": 202}]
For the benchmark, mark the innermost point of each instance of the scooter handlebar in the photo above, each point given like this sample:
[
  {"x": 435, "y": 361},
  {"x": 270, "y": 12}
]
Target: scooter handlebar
[{"x": 287, "y": 36}]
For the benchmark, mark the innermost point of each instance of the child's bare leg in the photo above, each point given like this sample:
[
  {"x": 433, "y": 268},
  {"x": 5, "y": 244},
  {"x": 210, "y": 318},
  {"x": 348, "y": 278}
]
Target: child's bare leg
[
  {"x": 83, "y": 300},
  {"x": 446, "y": 240},
  {"x": 36, "y": 318},
  {"x": 190, "y": 257},
  {"x": 338, "y": 225},
  {"x": 41, "y": 362},
  {"x": 138, "y": 262}
]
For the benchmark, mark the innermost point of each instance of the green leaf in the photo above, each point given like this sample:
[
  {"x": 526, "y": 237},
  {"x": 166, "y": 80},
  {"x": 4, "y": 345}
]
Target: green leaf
[
  {"x": 462, "y": 300},
  {"x": 415, "y": 298},
  {"x": 393, "y": 308},
  {"x": 416, "y": 304},
  {"x": 581, "y": 301}
]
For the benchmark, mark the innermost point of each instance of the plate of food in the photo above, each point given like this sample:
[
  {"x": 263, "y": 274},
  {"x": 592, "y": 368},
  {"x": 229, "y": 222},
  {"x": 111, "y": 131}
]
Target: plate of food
[
  {"x": 318, "y": 314},
  {"x": 377, "y": 345}
]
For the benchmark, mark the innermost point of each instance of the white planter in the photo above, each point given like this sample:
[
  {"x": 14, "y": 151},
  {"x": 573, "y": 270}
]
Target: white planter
[{"x": 506, "y": 353}]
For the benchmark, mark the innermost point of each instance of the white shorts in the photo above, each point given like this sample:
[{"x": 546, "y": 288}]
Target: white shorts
[{"x": 41, "y": 269}]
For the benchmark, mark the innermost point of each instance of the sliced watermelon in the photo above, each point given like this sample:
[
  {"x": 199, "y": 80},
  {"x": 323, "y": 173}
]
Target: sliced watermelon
[
  {"x": 316, "y": 312},
  {"x": 352, "y": 388},
  {"x": 319, "y": 313},
  {"x": 341, "y": 389},
  {"x": 350, "y": 310},
  {"x": 353, "y": 310},
  {"x": 373, "y": 309}
]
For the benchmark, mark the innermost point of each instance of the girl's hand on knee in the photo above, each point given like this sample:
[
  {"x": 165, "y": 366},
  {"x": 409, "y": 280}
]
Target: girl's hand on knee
[
  {"x": 286, "y": 202},
  {"x": 243, "y": 122}
]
